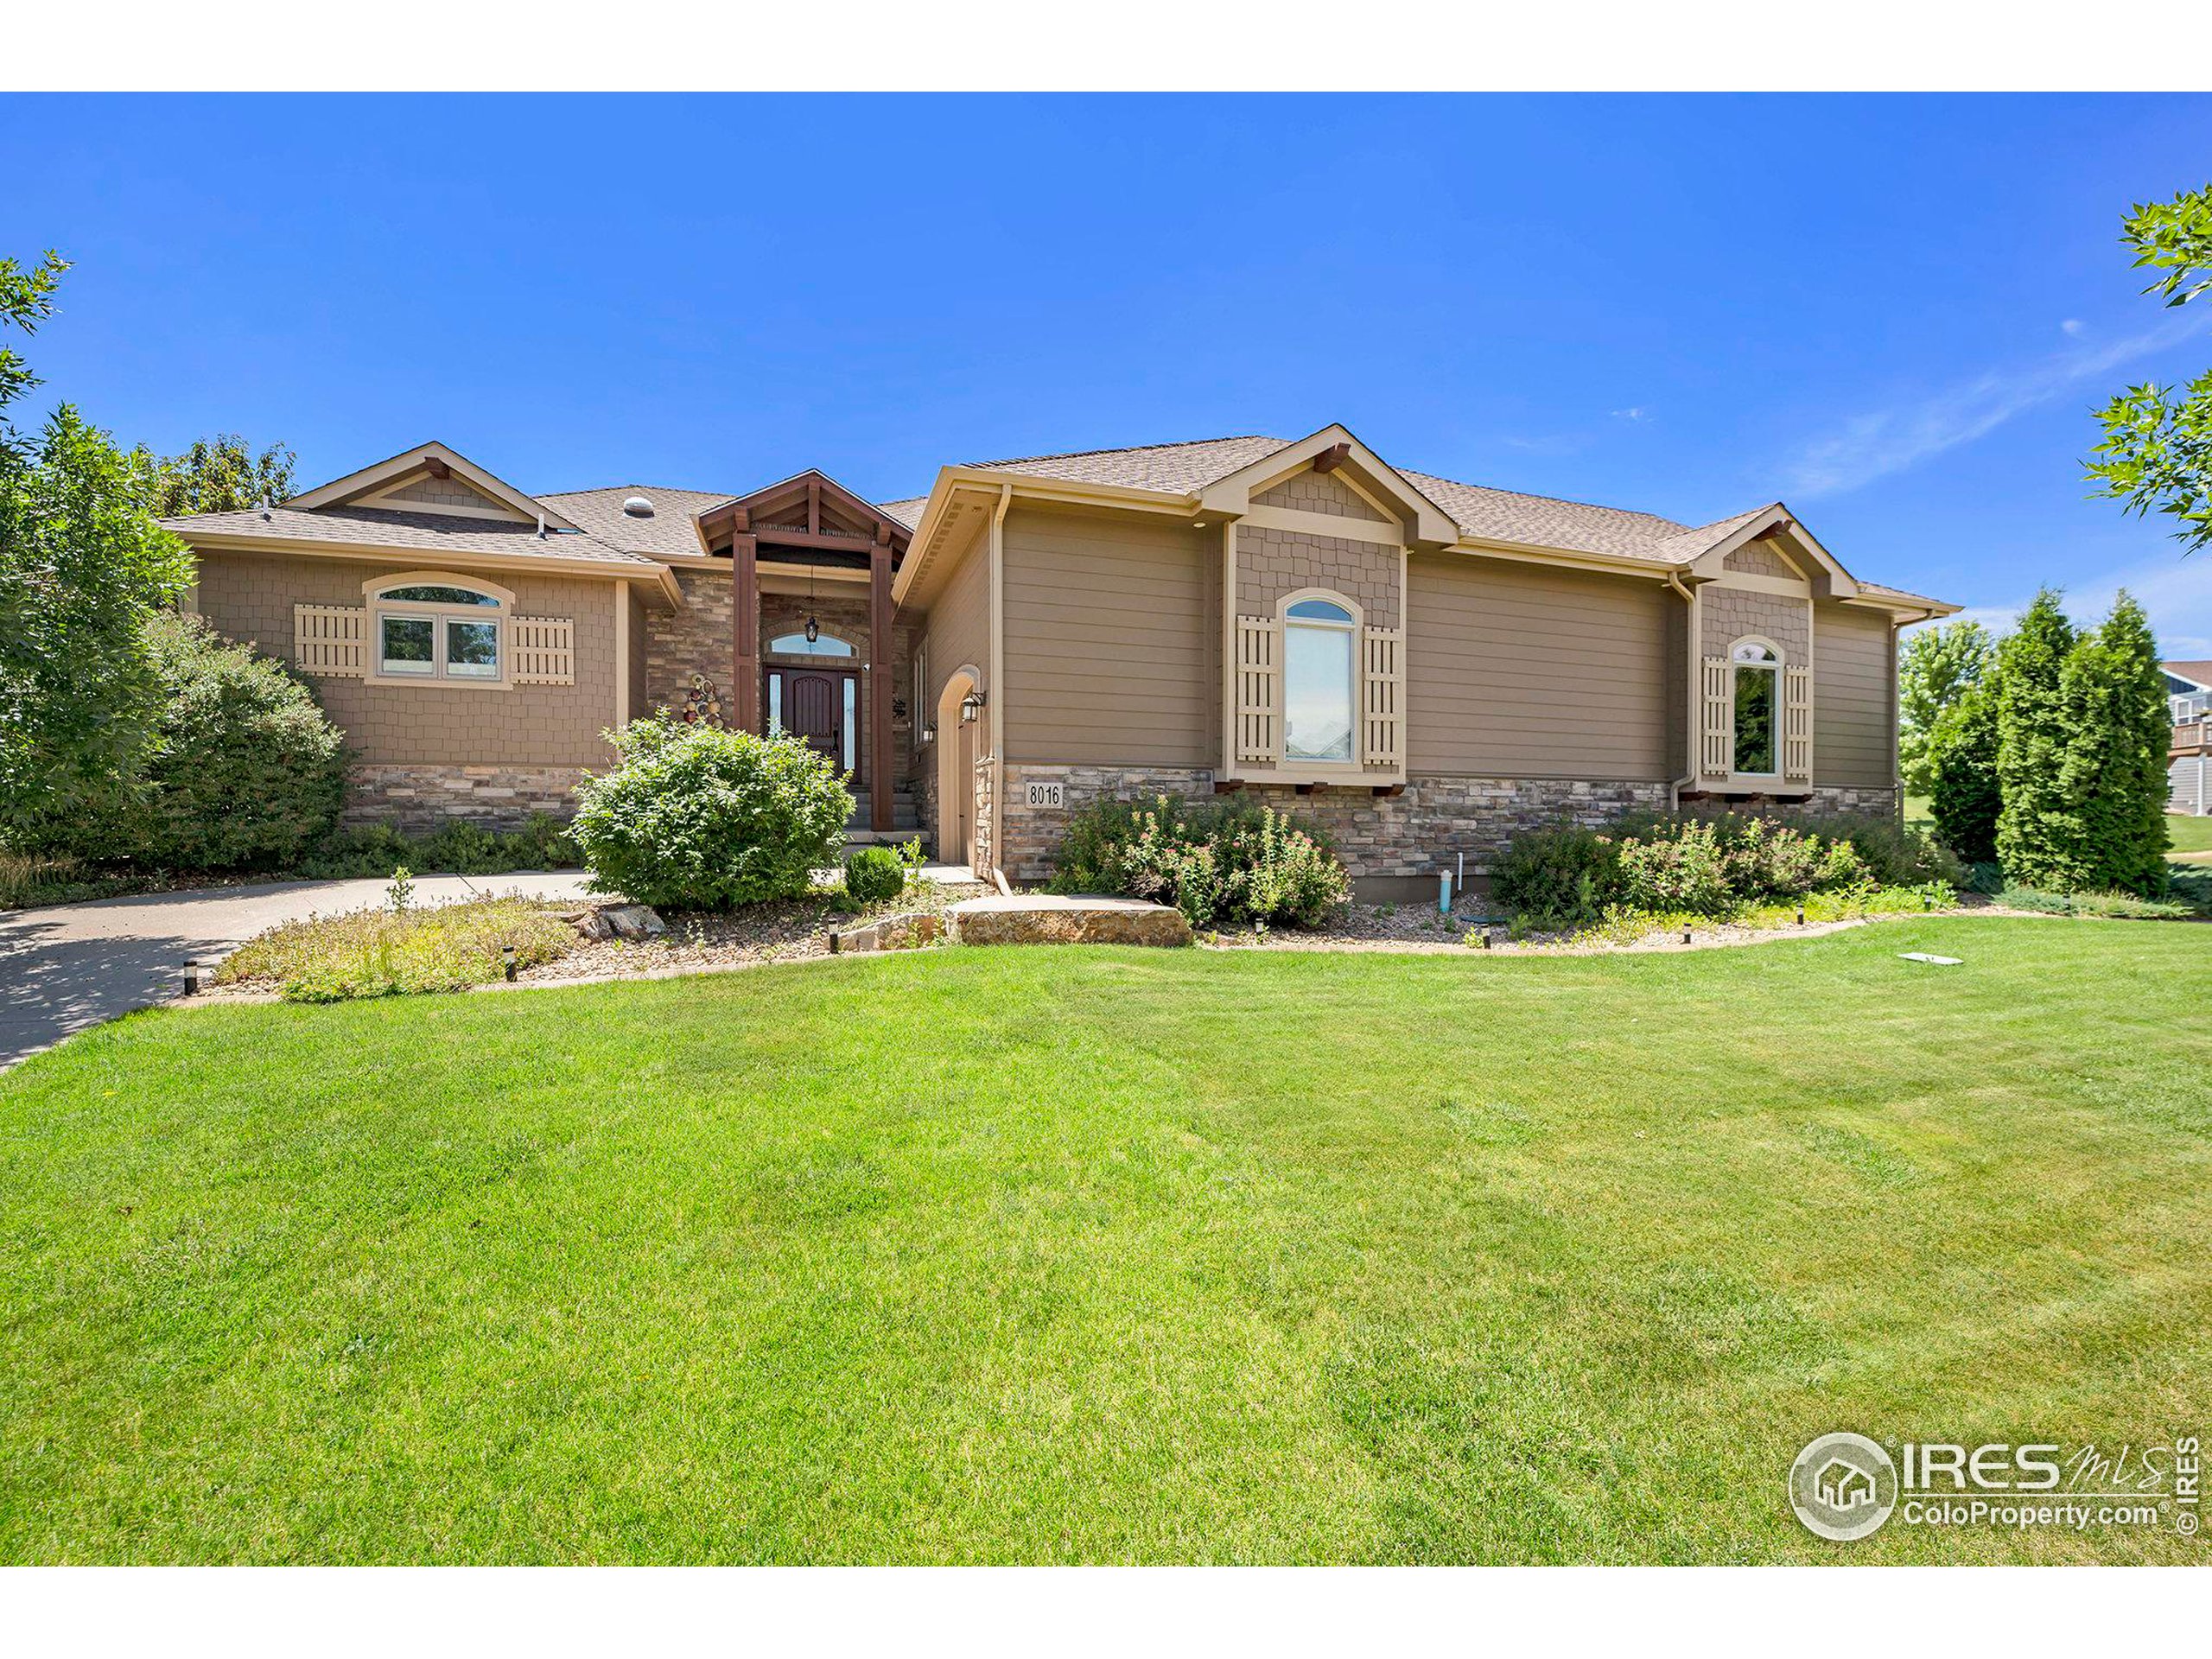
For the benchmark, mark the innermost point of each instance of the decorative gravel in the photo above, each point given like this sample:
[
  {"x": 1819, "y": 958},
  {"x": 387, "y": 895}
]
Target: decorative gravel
[{"x": 785, "y": 931}]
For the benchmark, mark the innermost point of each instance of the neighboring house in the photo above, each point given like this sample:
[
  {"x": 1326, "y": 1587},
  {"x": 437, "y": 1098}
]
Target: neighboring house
[
  {"x": 1422, "y": 666},
  {"x": 2188, "y": 698}
]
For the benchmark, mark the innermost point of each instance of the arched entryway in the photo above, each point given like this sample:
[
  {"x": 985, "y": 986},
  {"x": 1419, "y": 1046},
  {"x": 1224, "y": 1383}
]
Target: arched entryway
[{"x": 955, "y": 770}]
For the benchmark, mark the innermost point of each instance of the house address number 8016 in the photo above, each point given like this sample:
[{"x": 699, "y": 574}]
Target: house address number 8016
[{"x": 1047, "y": 794}]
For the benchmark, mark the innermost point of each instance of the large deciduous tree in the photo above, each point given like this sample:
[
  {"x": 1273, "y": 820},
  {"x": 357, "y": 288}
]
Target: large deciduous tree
[
  {"x": 221, "y": 474},
  {"x": 2156, "y": 450},
  {"x": 82, "y": 567},
  {"x": 1938, "y": 666}
]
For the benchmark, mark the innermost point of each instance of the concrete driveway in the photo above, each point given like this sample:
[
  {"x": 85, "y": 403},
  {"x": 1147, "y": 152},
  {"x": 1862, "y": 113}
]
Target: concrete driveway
[{"x": 70, "y": 966}]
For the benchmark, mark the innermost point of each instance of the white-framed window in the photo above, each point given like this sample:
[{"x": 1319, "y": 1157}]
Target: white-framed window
[
  {"x": 1755, "y": 666},
  {"x": 426, "y": 626},
  {"x": 1320, "y": 666},
  {"x": 797, "y": 645}
]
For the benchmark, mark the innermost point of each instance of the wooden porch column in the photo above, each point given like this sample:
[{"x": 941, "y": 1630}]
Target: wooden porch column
[
  {"x": 744, "y": 626},
  {"x": 880, "y": 780}
]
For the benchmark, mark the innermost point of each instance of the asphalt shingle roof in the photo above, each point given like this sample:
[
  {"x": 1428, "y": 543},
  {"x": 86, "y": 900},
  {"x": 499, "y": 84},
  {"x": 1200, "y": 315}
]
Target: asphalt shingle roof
[
  {"x": 377, "y": 527},
  {"x": 669, "y": 530}
]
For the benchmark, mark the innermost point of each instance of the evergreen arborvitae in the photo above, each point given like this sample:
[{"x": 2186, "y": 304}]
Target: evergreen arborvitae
[
  {"x": 2115, "y": 772},
  {"x": 1962, "y": 759},
  {"x": 2038, "y": 834}
]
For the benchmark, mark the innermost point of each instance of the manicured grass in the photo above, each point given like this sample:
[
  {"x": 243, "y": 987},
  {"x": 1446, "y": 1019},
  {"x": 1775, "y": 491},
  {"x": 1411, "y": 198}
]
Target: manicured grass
[
  {"x": 2188, "y": 835},
  {"x": 1110, "y": 1254}
]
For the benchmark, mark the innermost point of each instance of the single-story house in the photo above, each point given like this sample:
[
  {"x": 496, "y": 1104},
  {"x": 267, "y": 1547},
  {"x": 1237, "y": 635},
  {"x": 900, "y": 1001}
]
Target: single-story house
[
  {"x": 1422, "y": 666},
  {"x": 2189, "y": 776}
]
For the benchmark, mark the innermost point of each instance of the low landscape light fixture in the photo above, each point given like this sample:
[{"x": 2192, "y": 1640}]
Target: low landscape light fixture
[
  {"x": 507, "y": 961},
  {"x": 193, "y": 983},
  {"x": 1685, "y": 932},
  {"x": 1800, "y": 912}
]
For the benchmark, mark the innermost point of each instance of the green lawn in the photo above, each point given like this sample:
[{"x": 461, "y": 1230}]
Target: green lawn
[
  {"x": 2188, "y": 835},
  {"x": 1109, "y": 1255}
]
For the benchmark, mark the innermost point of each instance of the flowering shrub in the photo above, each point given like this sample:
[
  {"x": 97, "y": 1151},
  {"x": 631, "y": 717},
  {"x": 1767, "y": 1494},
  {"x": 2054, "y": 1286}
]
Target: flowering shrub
[
  {"x": 1687, "y": 872},
  {"x": 1557, "y": 876},
  {"x": 1229, "y": 862}
]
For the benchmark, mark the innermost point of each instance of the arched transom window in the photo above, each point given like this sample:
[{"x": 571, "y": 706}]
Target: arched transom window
[
  {"x": 440, "y": 628},
  {"x": 797, "y": 645},
  {"x": 1756, "y": 666},
  {"x": 1321, "y": 636}
]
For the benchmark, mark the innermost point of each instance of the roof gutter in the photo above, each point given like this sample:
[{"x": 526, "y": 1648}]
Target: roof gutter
[{"x": 1690, "y": 694}]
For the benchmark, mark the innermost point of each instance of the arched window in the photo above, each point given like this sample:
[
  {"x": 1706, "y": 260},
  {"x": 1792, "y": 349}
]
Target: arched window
[
  {"x": 1756, "y": 666},
  {"x": 1321, "y": 636},
  {"x": 439, "y": 627},
  {"x": 797, "y": 645}
]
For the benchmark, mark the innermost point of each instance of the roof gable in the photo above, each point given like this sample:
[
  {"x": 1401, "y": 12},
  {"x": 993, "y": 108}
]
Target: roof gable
[
  {"x": 1334, "y": 449},
  {"x": 449, "y": 479}
]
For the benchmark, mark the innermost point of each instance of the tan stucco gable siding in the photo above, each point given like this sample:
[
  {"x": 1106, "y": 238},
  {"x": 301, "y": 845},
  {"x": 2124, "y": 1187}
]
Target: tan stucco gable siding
[
  {"x": 1112, "y": 640},
  {"x": 1517, "y": 671},
  {"x": 1854, "y": 716},
  {"x": 249, "y": 596}
]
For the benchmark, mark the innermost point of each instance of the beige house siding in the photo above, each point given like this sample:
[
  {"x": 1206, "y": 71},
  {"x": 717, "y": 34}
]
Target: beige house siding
[
  {"x": 249, "y": 596},
  {"x": 1753, "y": 559},
  {"x": 640, "y": 703},
  {"x": 1112, "y": 640},
  {"x": 1855, "y": 710},
  {"x": 1273, "y": 562},
  {"x": 958, "y": 628},
  {"x": 1313, "y": 491},
  {"x": 1517, "y": 671}
]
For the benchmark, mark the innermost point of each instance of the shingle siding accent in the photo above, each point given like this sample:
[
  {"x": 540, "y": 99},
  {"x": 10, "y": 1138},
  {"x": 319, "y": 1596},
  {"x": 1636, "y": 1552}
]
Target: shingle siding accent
[
  {"x": 1273, "y": 562},
  {"x": 250, "y": 597},
  {"x": 1732, "y": 613},
  {"x": 1753, "y": 559},
  {"x": 1313, "y": 491}
]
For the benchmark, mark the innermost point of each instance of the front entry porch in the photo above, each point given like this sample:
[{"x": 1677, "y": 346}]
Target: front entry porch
[{"x": 814, "y": 650}]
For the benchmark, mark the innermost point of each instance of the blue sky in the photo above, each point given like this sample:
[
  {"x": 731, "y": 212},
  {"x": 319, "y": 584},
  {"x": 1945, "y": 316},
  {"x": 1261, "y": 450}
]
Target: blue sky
[{"x": 1893, "y": 312}]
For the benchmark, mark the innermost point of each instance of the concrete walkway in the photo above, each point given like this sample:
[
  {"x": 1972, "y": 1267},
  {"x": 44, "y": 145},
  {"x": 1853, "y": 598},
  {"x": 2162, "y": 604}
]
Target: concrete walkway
[{"x": 71, "y": 966}]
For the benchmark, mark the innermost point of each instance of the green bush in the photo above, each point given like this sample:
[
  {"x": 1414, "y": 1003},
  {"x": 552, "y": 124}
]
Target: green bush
[
  {"x": 461, "y": 848},
  {"x": 2122, "y": 906},
  {"x": 246, "y": 771},
  {"x": 700, "y": 817},
  {"x": 1962, "y": 759},
  {"x": 1557, "y": 876},
  {"x": 1685, "y": 872},
  {"x": 1231, "y": 860},
  {"x": 874, "y": 874}
]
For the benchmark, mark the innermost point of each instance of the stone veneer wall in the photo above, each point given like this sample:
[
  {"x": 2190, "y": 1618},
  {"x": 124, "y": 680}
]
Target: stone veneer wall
[
  {"x": 696, "y": 640},
  {"x": 1868, "y": 801},
  {"x": 1273, "y": 562},
  {"x": 1413, "y": 834},
  {"x": 422, "y": 798}
]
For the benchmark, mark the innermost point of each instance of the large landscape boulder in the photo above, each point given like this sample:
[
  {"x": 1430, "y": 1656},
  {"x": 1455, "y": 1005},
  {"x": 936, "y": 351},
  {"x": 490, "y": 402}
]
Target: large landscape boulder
[{"x": 1054, "y": 919}]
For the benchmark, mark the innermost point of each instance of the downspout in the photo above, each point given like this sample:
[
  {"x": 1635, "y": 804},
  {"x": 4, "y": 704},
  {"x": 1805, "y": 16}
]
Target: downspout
[
  {"x": 994, "y": 704},
  {"x": 1691, "y": 693}
]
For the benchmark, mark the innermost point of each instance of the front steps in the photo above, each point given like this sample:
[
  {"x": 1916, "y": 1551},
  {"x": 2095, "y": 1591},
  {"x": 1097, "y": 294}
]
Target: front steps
[{"x": 906, "y": 822}]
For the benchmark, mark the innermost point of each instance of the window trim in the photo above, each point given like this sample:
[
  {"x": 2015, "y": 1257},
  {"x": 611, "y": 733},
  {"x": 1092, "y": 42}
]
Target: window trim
[
  {"x": 1354, "y": 632},
  {"x": 850, "y": 654},
  {"x": 1773, "y": 668},
  {"x": 499, "y": 614}
]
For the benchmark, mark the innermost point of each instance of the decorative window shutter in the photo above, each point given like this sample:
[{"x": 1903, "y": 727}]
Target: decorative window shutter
[
  {"x": 1719, "y": 748},
  {"x": 1258, "y": 680},
  {"x": 1798, "y": 725},
  {"x": 544, "y": 650},
  {"x": 1383, "y": 742},
  {"x": 331, "y": 641}
]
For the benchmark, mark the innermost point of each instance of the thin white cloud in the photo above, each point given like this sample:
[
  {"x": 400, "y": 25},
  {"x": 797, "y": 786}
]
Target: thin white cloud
[
  {"x": 2073, "y": 326},
  {"x": 1637, "y": 413},
  {"x": 2175, "y": 591},
  {"x": 1889, "y": 441}
]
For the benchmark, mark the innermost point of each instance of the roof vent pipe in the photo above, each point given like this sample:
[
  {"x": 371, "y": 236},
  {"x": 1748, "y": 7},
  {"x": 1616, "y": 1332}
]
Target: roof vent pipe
[{"x": 637, "y": 506}]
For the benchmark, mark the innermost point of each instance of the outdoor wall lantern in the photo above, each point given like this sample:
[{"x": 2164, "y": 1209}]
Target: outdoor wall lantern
[
  {"x": 813, "y": 630},
  {"x": 970, "y": 706}
]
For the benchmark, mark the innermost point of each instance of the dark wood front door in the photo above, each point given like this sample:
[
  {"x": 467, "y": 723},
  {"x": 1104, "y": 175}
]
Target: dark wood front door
[{"x": 821, "y": 708}]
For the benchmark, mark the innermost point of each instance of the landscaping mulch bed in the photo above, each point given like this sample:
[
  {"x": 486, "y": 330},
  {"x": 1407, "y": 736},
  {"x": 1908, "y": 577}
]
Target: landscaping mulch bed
[{"x": 785, "y": 931}]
